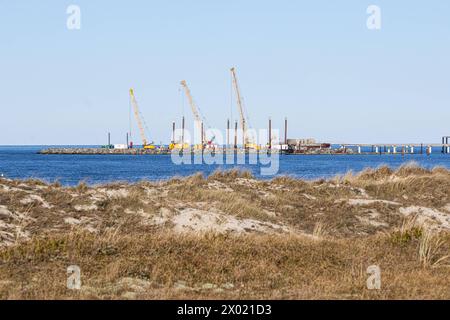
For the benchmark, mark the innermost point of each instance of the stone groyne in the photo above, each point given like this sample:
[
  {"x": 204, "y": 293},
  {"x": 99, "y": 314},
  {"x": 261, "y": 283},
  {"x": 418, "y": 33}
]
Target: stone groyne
[{"x": 93, "y": 151}]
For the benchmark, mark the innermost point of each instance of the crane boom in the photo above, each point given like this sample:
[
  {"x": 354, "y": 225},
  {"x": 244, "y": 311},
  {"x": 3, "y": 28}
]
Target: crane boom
[
  {"x": 195, "y": 111},
  {"x": 240, "y": 106},
  {"x": 138, "y": 118}
]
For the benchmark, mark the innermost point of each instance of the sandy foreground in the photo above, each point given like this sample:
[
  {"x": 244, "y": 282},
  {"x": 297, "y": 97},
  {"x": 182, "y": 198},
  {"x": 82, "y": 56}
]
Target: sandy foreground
[{"x": 229, "y": 236}]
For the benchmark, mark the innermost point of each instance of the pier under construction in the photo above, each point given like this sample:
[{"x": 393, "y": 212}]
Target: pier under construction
[
  {"x": 311, "y": 148},
  {"x": 239, "y": 139}
]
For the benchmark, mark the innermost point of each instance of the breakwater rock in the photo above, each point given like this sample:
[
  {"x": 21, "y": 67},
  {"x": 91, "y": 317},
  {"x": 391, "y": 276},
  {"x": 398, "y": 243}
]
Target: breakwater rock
[{"x": 92, "y": 151}]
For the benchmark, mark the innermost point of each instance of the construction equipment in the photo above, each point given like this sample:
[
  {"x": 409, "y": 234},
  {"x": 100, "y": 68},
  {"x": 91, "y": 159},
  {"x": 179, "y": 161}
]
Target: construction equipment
[
  {"x": 179, "y": 146},
  {"x": 139, "y": 121},
  {"x": 197, "y": 115},
  {"x": 247, "y": 140}
]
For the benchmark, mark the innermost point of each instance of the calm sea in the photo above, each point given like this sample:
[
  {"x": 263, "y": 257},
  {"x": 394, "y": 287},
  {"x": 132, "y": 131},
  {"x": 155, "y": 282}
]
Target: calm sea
[{"x": 21, "y": 162}]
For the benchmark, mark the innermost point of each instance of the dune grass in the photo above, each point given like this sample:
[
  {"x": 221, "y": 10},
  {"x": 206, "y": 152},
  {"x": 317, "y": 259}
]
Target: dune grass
[
  {"x": 223, "y": 266},
  {"x": 337, "y": 229}
]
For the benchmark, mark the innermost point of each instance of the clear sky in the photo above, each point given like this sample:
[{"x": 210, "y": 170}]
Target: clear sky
[{"x": 315, "y": 62}]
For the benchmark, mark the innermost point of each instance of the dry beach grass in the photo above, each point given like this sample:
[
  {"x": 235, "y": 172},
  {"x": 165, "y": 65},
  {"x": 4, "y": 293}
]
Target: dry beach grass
[{"x": 230, "y": 236}]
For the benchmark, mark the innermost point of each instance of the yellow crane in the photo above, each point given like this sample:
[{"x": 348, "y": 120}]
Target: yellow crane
[
  {"x": 134, "y": 103},
  {"x": 247, "y": 141},
  {"x": 197, "y": 116}
]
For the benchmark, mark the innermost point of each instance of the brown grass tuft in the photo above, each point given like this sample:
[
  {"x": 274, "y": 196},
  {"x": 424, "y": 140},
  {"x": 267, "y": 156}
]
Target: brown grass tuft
[
  {"x": 431, "y": 246},
  {"x": 228, "y": 175}
]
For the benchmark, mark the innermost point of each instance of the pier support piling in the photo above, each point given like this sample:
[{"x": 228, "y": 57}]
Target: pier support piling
[
  {"x": 270, "y": 133},
  {"x": 446, "y": 142},
  {"x": 228, "y": 133},
  {"x": 285, "y": 130},
  {"x": 202, "y": 137},
  {"x": 182, "y": 134},
  {"x": 173, "y": 132}
]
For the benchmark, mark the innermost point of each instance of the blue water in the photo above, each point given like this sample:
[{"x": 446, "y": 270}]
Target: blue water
[{"x": 24, "y": 162}]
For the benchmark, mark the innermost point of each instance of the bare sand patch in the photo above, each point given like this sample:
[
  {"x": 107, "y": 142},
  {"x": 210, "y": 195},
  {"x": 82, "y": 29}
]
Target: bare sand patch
[
  {"x": 33, "y": 198},
  {"x": 191, "y": 219},
  {"x": 432, "y": 217},
  {"x": 73, "y": 221},
  {"x": 114, "y": 193},
  {"x": 363, "y": 202},
  {"x": 309, "y": 197},
  {"x": 372, "y": 218},
  {"x": 4, "y": 212},
  {"x": 217, "y": 185},
  {"x": 85, "y": 207}
]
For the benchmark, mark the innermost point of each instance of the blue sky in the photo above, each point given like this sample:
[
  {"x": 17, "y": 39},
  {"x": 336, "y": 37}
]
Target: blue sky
[{"x": 312, "y": 61}]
